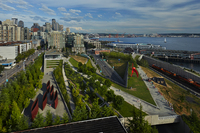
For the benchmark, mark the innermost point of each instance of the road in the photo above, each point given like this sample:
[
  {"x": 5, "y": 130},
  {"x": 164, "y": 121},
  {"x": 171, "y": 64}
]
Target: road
[
  {"x": 107, "y": 70},
  {"x": 15, "y": 69}
]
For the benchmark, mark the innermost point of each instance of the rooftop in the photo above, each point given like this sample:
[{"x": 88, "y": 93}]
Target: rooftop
[
  {"x": 52, "y": 52},
  {"x": 100, "y": 125}
]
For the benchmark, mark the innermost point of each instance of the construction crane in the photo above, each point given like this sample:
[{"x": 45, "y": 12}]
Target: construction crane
[
  {"x": 123, "y": 35},
  {"x": 192, "y": 55},
  {"x": 116, "y": 36}
]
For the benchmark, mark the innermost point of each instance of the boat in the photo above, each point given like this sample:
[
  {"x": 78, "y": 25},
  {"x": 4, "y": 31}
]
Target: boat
[{"x": 165, "y": 40}]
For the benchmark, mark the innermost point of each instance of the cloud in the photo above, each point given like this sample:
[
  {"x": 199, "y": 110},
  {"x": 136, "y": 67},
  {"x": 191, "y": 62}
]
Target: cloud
[
  {"x": 6, "y": 7},
  {"x": 117, "y": 13},
  {"x": 39, "y": 18},
  {"x": 100, "y": 16},
  {"x": 77, "y": 19},
  {"x": 31, "y": 12},
  {"x": 75, "y": 11},
  {"x": 62, "y": 9},
  {"x": 23, "y": 7},
  {"x": 66, "y": 14},
  {"x": 76, "y": 28},
  {"x": 47, "y": 10},
  {"x": 89, "y": 15}
]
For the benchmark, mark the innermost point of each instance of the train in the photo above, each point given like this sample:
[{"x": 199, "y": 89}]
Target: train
[{"x": 190, "y": 81}]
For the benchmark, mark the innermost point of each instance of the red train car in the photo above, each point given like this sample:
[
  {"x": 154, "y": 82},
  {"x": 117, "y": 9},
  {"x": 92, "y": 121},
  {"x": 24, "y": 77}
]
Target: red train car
[
  {"x": 34, "y": 109},
  {"x": 185, "y": 79},
  {"x": 196, "y": 84},
  {"x": 154, "y": 66},
  {"x": 44, "y": 100},
  {"x": 56, "y": 99}
]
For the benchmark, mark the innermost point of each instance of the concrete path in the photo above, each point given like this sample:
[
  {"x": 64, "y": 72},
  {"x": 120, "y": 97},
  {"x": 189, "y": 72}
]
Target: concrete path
[{"x": 72, "y": 105}]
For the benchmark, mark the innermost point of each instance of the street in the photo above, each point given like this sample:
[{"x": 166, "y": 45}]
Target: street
[
  {"x": 107, "y": 70},
  {"x": 18, "y": 67}
]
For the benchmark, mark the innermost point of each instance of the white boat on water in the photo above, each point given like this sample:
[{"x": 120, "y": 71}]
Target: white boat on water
[{"x": 165, "y": 40}]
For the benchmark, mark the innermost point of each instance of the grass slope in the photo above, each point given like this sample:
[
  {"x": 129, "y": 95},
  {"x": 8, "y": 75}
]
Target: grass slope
[
  {"x": 173, "y": 93},
  {"x": 126, "y": 110},
  {"x": 89, "y": 64},
  {"x": 120, "y": 67},
  {"x": 73, "y": 62}
]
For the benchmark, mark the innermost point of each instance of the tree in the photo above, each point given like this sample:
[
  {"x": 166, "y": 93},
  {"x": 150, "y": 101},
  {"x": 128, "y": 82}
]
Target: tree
[
  {"x": 110, "y": 95},
  {"x": 118, "y": 102},
  {"x": 65, "y": 118},
  {"x": 182, "y": 98},
  {"x": 1, "y": 68},
  {"x": 137, "y": 124},
  {"x": 107, "y": 111},
  {"x": 38, "y": 121},
  {"x": 57, "y": 120},
  {"x": 80, "y": 113},
  {"x": 108, "y": 83},
  {"x": 23, "y": 123},
  {"x": 49, "y": 118},
  {"x": 26, "y": 103},
  {"x": 39, "y": 47},
  {"x": 15, "y": 115}
]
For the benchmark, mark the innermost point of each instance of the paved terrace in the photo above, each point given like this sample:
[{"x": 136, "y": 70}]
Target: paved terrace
[{"x": 60, "y": 110}]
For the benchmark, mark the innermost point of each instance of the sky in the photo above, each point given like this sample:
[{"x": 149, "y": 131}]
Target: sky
[{"x": 108, "y": 16}]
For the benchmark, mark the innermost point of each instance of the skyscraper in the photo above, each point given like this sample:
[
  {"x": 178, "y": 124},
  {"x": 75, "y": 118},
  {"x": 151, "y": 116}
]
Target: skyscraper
[
  {"x": 60, "y": 27},
  {"x": 53, "y": 24},
  {"x": 26, "y": 34},
  {"x": 21, "y": 24},
  {"x": 68, "y": 30},
  {"x": 15, "y": 21},
  {"x": 48, "y": 27},
  {"x": 0, "y": 23},
  {"x": 56, "y": 27}
]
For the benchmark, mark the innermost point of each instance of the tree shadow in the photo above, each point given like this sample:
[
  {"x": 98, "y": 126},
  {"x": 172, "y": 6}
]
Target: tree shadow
[{"x": 40, "y": 96}]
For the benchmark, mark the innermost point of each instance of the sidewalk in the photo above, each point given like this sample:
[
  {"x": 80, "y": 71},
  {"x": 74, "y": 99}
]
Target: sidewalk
[{"x": 72, "y": 105}]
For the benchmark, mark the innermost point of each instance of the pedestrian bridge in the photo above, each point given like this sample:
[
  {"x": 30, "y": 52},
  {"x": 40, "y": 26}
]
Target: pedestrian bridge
[{"x": 155, "y": 119}]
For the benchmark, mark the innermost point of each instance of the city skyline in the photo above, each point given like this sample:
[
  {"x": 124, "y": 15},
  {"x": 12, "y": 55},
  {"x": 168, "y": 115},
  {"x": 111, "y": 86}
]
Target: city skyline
[{"x": 157, "y": 16}]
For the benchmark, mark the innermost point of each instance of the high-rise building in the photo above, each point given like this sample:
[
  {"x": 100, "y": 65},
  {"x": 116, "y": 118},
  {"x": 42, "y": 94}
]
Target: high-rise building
[
  {"x": 78, "y": 46},
  {"x": 56, "y": 27},
  {"x": 56, "y": 39},
  {"x": 8, "y": 33},
  {"x": 0, "y": 23},
  {"x": 8, "y": 22},
  {"x": 53, "y": 24},
  {"x": 60, "y": 27},
  {"x": 68, "y": 30},
  {"x": 15, "y": 21},
  {"x": 48, "y": 27},
  {"x": 26, "y": 34},
  {"x": 21, "y": 24}
]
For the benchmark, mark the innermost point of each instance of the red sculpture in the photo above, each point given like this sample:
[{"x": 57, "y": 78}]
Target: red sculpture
[
  {"x": 34, "y": 109},
  {"x": 134, "y": 70},
  {"x": 44, "y": 100},
  {"x": 56, "y": 99}
]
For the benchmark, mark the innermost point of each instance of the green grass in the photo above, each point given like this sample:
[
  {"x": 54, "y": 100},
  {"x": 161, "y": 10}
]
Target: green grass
[
  {"x": 52, "y": 63},
  {"x": 120, "y": 67},
  {"x": 126, "y": 110},
  {"x": 73, "y": 62},
  {"x": 89, "y": 64},
  {"x": 142, "y": 93}
]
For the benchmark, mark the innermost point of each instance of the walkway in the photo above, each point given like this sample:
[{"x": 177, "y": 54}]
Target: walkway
[{"x": 72, "y": 105}]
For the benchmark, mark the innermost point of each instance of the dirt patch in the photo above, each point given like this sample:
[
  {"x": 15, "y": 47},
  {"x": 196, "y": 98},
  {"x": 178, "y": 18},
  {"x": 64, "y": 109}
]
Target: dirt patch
[
  {"x": 79, "y": 59},
  {"x": 133, "y": 89}
]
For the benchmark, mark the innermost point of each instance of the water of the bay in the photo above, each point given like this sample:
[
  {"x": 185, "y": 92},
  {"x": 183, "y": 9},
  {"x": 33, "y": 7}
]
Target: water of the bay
[{"x": 173, "y": 43}]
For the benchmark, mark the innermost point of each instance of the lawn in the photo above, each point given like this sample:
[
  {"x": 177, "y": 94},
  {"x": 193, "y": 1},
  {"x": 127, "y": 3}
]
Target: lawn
[
  {"x": 126, "y": 110},
  {"x": 79, "y": 58},
  {"x": 142, "y": 92},
  {"x": 89, "y": 64},
  {"x": 119, "y": 66},
  {"x": 73, "y": 62},
  {"x": 173, "y": 93},
  {"x": 52, "y": 63}
]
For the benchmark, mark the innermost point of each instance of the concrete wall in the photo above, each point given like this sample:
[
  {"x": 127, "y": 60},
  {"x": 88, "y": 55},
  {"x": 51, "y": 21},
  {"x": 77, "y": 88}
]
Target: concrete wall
[
  {"x": 8, "y": 52},
  {"x": 155, "y": 119}
]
